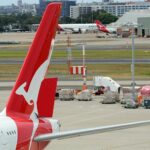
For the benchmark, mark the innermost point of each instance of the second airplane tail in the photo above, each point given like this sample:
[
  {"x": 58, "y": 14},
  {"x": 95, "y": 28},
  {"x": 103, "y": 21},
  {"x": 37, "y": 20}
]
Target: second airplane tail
[{"x": 101, "y": 27}]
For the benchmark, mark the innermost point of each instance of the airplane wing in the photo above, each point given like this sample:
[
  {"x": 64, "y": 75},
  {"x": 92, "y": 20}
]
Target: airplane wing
[{"x": 88, "y": 131}]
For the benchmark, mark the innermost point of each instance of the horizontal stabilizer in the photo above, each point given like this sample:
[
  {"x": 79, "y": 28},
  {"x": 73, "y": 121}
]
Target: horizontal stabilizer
[{"x": 45, "y": 103}]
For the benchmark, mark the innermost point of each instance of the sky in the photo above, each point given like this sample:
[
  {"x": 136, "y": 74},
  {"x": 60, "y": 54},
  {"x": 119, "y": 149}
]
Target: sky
[{"x": 9, "y": 2}]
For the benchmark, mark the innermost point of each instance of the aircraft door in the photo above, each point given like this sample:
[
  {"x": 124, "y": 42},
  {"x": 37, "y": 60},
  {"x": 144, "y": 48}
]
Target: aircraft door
[{"x": 143, "y": 32}]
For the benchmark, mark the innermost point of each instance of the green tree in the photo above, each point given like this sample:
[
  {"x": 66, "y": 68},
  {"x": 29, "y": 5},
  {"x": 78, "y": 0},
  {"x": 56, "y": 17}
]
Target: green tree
[
  {"x": 22, "y": 21},
  {"x": 67, "y": 20},
  {"x": 101, "y": 15}
]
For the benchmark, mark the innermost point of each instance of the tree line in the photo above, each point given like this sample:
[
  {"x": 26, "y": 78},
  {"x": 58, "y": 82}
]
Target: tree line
[
  {"x": 102, "y": 15},
  {"x": 24, "y": 21},
  {"x": 20, "y": 21}
]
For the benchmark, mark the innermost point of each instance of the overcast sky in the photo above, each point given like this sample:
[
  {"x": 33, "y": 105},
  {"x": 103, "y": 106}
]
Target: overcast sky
[{"x": 9, "y": 2}]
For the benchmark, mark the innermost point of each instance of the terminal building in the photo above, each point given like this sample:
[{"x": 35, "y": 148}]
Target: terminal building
[
  {"x": 137, "y": 19},
  {"x": 144, "y": 26},
  {"x": 131, "y": 18},
  {"x": 117, "y": 9},
  {"x": 82, "y": 9}
]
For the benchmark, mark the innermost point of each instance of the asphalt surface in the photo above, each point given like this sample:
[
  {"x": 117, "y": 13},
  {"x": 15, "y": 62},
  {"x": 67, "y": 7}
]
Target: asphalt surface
[
  {"x": 81, "y": 114},
  {"x": 90, "y": 41},
  {"x": 78, "y": 84},
  {"x": 76, "y": 115}
]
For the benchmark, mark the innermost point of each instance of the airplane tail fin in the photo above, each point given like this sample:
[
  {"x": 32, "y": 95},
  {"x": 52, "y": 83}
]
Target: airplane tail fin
[
  {"x": 27, "y": 93},
  {"x": 98, "y": 23},
  {"x": 101, "y": 27},
  {"x": 59, "y": 28}
]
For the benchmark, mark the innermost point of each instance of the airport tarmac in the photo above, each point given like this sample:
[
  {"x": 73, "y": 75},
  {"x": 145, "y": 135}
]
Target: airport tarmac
[
  {"x": 77, "y": 84},
  {"x": 91, "y": 41},
  {"x": 77, "y": 115},
  {"x": 81, "y": 114}
]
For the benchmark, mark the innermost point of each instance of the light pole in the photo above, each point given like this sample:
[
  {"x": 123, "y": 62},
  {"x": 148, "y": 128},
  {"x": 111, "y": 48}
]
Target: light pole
[
  {"x": 69, "y": 52},
  {"x": 84, "y": 69},
  {"x": 133, "y": 66},
  {"x": 84, "y": 73}
]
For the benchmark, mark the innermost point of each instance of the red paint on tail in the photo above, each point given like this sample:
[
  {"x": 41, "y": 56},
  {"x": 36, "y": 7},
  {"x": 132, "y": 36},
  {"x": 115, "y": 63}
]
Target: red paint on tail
[
  {"x": 46, "y": 97},
  {"x": 101, "y": 27},
  {"x": 37, "y": 55}
]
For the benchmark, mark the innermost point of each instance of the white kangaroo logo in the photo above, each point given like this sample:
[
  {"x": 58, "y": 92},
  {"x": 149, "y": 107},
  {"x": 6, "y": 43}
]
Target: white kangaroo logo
[{"x": 33, "y": 91}]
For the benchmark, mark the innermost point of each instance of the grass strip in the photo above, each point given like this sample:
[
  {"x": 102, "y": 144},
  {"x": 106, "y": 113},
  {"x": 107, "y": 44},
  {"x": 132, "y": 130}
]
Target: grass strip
[
  {"x": 116, "y": 71},
  {"x": 90, "y": 54}
]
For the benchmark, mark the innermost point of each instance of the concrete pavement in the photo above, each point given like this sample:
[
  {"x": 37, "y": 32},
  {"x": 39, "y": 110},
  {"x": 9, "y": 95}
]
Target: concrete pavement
[
  {"x": 9, "y": 85},
  {"x": 81, "y": 114}
]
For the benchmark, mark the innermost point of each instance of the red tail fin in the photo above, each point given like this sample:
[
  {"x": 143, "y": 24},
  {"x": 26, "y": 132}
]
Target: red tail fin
[
  {"x": 101, "y": 27},
  {"x": 59, "y": 28},
  {"x": 98, "y": 22},
  {"x": 24, "y": 96}
]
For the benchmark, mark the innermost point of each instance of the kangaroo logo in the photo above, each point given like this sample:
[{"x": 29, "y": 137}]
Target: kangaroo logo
[{"x": 32, "y": 93}]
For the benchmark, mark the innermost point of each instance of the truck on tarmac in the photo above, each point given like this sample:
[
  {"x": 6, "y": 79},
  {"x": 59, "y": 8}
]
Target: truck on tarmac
[
  {"x": 111, "y": 90},
  {"x": 100, "y": 82}
]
